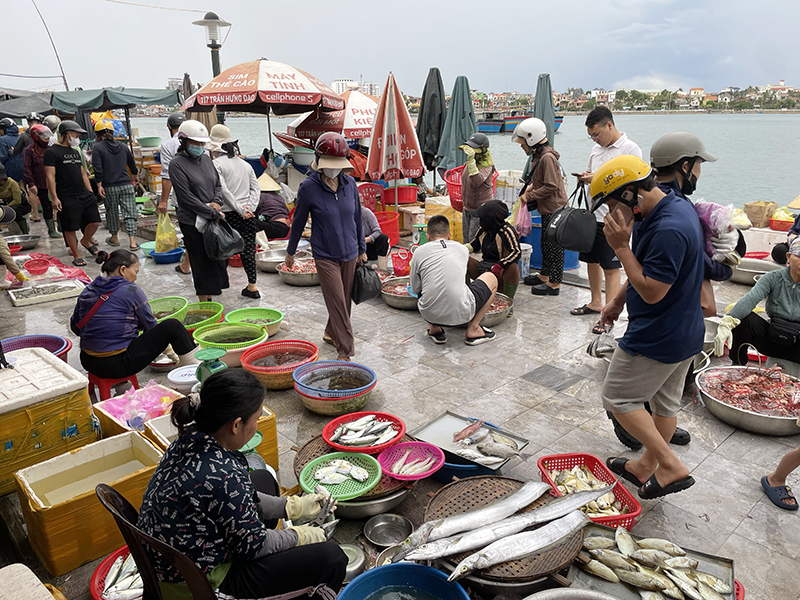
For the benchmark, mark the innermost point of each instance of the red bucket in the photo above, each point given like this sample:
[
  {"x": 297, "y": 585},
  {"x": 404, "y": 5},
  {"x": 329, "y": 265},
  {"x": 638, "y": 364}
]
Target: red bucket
[{"x": 401, "y": 263}]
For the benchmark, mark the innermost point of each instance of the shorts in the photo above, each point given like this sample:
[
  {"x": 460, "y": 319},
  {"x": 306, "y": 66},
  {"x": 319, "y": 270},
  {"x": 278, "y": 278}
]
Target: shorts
[
  {"x": 77, "y": 213},
  {"x": 481, "y": 292},
  {"x": 601, "y": 252},
  {"x": 633, "y": 380}
]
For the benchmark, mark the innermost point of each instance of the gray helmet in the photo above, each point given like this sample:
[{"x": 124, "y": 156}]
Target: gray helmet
[
  {"x": 175, "y": 119},
  {"x": 672, "y": 147},
  {"x": 6, "y": 123},
  {"x": 478, "y": 140},
  {"x": 51, "y": 122},
  {"x": 69, "y": 126},
  {"x": 34, "y": 116}
]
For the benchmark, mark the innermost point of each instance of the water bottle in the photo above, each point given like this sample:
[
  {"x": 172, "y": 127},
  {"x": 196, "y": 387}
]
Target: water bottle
[{"x": 133, "y": 412}]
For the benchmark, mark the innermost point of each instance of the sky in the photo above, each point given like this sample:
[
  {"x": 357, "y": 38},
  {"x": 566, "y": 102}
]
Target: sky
[{"x": 499, "y": 46}]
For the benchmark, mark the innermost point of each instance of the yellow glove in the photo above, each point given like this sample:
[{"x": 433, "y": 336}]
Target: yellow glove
[
  {"x": 21, "y": 277},
  {"x": 308, "y": 535},
  {"x": 468, "y": 150},
  {"x": 303, "y": 507},
  {"x": 725, "y": 334}
]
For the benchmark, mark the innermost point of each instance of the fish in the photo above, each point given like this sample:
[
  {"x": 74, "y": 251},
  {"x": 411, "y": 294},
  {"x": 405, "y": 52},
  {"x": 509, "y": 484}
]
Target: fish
[
  {"x": 418, "y": 466},
  {"x": 663, "y": 545},
  {"x": 367, "y": 440},
  {"x": 333, "y": 479},
  {"x": 499, "y": 438},
  {"x": 123, "y": 584},
  {"x": 639, "y": 580},
  {"x": 651, "y": 558},
  {"x": 670, "y": 589},
  {"x": 387, "y": 436},
  {"x": 707, "y": 592},
  {"x": 625, "y": 542},
  {"x": 342, "y": 466},
  {"x": 681, "y": 562},
  {"x": 495, "y": 449},
  {"x": 649, "y": 595},
  {"x": 467, "y": 431},
  {"x": 362, "y": 422},
  {"x": 477, "y": 457},
  {"x": 359, "y": 473},
  {"x": 613, "y": 559},
  {"x": 710, "y": 580},
  {"x": 521, "y": 545},
  {"x": 379, "y": 426},
  {"x": 337, "y": 433},
  {"x": 323, "y": 472},
  {"x": 686, "y": 585},
  {"x": 130, "y": 594},
  {"x": 476, "y": 437},
  {"x": 400, "y": 462},
  {"x": 595, "y": 567},
  {"x": 113, "y": 573},
  {"x": 597, "y": 542}
]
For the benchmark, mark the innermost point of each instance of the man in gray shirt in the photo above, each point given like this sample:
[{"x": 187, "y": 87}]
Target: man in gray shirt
[{"x": 437, "y": 277}]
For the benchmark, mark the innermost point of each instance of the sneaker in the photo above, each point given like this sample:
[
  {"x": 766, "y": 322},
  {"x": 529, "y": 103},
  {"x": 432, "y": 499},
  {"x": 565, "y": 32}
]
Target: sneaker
[
  {"x": 438, "y": 338},
  {"x": 544, "y": 290}
]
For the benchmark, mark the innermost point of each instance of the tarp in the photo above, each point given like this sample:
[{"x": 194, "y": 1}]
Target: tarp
[
  {"x": 543, "y": 106},
  {"x": 9, "y": 93},
  {"x": 431, "y": 118},
  {"x": 116, "y": 97},
  {"x": 19, "y": 107},
  {"x": 459, "y": 125}
]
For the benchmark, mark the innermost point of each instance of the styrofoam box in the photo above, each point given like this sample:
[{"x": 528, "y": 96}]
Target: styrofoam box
[{"x": 38, "y": 375}]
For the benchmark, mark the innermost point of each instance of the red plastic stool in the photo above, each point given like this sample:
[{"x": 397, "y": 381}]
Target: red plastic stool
[{"x": 104, "y": 385}]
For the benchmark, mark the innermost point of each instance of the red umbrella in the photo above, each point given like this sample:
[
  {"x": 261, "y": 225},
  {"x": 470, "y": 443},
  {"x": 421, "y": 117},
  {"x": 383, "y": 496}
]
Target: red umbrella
[{"x": 354, "y": 122}]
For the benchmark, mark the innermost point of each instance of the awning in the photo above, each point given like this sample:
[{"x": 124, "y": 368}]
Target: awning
[
  {"x": 110, "y": 98},
  {"x": 19, "y": 107}
]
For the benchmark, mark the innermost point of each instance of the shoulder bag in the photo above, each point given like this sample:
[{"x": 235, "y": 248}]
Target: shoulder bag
[
  {"x": 573, "y": 228},
  {"x": 783, "y": 332}
]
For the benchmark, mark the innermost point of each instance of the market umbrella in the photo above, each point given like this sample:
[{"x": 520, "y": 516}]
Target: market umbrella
[
  {"x": 394, "y": 149},
  {"x": 354, "y": 122},
  {"x": 430, "y": 121},
  {"x": 209, "y": 119},
  {"x": 459, "y": 125},
  {"x": 17, "y": 108},
  {"x": 543, "y": 106}
]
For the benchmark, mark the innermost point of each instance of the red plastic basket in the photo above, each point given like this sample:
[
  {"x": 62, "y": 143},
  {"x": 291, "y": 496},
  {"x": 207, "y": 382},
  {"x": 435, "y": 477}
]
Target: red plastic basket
[
  {"x": 758, "y": 255},
  {"x": 777, "y": 225},
  {"x": 53, "y": 343},
  {"x": 419, "y": 450},
  {"x": 738, "y": 588},
  {"x": 599, "y": 470},
  {"x": 453, "y": 180},
  {"x": 369, "y": 194},
  {"x": 330, "y": 428},
  {"x": 14, "y": 249},
  {"x": 98, "y": 581},
  {"x": 235, "y": 261},
  {"x": 36, "y": 266},
  {"x": 406, "y": 194},
  {"x": 401, "y": 263},
  {"x": 390, "y": 225}
]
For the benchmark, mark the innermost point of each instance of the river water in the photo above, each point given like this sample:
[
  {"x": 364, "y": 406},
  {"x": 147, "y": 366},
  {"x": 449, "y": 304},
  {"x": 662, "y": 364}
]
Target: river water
[{"x": 759, "y": 154}]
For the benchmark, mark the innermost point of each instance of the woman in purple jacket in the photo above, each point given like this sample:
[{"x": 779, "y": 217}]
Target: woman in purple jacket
[
  {"x": 337, "y": 239},
  {"x": 109, "y": 316}
]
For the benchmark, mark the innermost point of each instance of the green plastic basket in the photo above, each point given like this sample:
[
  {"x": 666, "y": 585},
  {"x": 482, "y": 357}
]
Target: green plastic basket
[
  {"x": 175, "y": 305},
  {"x": 272, "y": 325},
  {"x": 215, "y": 308},
  {"x": 350, "y": 488},
  {"x": 205, "y": 335}
]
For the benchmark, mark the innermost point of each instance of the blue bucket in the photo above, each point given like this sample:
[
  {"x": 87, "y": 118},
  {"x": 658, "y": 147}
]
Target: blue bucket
[
  {"x": 534, "y": 238},
  {"x": 409, "y": 575}
]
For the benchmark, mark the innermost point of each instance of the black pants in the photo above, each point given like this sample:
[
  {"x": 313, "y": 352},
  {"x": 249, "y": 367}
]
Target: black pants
[
  {"x": 275, "y": 230},
  {"x": 141, "y": 351},
  {"x": 247, "y": 228},
  {"x": 44, "y": 202},
  {"x": 378, "y": 247},
  {"x": 552, "y": 255},
  {"x": 210, "y": 277},
  {"x": 755, "y": 330}
]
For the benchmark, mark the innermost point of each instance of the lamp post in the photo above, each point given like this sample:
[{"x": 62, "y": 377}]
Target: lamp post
[{"x": 213, "y": 24}]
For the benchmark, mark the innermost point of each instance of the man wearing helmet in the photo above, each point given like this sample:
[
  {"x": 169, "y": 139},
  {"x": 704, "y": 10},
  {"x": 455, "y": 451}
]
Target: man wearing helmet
[
  {"x": 476, "y": 182},
  {"x": 52, "y": 122},
  {"x": 168, "y": 150},
  {"x": 665, "y": 331}
]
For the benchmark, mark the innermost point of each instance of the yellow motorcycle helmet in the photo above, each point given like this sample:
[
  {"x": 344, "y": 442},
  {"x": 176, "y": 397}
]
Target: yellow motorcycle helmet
[
  {"x": 614, "y": 174},
  {"x": 103, "y": 125}
]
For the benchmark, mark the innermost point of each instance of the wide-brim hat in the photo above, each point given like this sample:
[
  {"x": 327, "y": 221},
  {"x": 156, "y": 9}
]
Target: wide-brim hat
[
  {"x": 7, "y": 214},
  {"x": 219, "y": 135},
  {"x": 331, "y": 162},
  {"x": 268, "y": 184}
]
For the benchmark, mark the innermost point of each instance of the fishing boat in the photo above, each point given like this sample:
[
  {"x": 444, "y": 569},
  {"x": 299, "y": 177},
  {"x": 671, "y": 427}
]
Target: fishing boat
[
  {"x": 511, "y": 121},
  {"x": 559, "y": 119},
  {"x": 489, "y": 122}
]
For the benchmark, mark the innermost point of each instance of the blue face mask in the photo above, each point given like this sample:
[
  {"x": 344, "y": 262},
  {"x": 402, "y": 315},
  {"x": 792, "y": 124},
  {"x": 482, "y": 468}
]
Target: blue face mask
[{"x": 195, "y": 150}]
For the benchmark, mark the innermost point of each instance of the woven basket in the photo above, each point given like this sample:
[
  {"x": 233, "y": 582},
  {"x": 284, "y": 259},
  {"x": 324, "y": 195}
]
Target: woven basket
[
  {"x": 214, "y": 309},
  {"x": 272, "y": 316},
  {"x": 280, "y": 377},
  {"x": 206, "y": 335},
  {"x": 175, "y": 305},
  {"x": 335, "y": 406}
]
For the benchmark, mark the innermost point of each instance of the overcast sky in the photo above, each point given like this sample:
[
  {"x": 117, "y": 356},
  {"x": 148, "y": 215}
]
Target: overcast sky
[{"x": 499, "y": 46}]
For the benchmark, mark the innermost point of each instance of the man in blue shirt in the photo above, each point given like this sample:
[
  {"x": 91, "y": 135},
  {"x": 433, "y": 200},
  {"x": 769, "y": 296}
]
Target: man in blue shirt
[{"x": 664, "y": 266}]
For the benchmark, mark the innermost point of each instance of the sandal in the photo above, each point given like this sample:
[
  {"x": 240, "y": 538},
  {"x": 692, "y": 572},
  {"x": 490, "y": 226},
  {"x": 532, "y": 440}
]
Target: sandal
[
  {"x": 181, "y": 271},
  {"x": 617, "y": 466},
  {"x": 584, "y": 310},
  {"x": 598, "y": 329},
  {"x": 777, "y": 494},
  {"x": 133, "y": 248},
  {"x": 111, "y": 242},
  {"x": 79, "y": 262},
  {"x": 91, "y": 249},
  {"x": 652, "y": 489},
  {"x": 438, "y": 338},
  {"x": 328, "y": 339},
  {"x": 488, "y": 336}
]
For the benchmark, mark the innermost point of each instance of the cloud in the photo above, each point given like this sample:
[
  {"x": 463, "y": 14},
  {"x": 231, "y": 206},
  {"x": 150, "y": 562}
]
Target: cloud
[{"x": 655, "y": 81}]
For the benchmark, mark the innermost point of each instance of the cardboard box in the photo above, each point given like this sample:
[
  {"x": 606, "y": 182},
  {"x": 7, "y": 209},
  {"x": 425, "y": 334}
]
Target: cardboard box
[
  {"x": 411, "y": 215},
  {"x": 110, "y": 425},
  {"x": 67, "y": 525},
  {"x": 760, "y": 212},
  {"x": 45, "y": 410}
]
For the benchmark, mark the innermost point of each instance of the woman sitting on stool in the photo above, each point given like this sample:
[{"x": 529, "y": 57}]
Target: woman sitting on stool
[
  {"x": 272, "y": 214},
  {"x": 109, "y": 315}
]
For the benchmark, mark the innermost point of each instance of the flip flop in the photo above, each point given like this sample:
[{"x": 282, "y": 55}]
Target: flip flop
[
  {"x": 133, "y": 248},
  {"x": 598, "y": 329},
  {"x": 91, "y": 249},
  {"x": 617, "y": 466},
  {"x": 652, "y": 489},
  {"x": 328, "y": 339},
  {"x": 79, "y": 262},
  {"x": 182, "y": 272},
  {"x": 111, "y": 242},
  {"x": 438, "y": 338},
  {"x": 488, "y": 336},
  {"x": 584, "y": 310},
  {"x": 778, "y": 493}
]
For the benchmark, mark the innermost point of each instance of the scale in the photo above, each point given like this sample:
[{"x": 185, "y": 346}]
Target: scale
[
  {"x": 211, "y": 362},
  {"x": 420, "y": 235}
]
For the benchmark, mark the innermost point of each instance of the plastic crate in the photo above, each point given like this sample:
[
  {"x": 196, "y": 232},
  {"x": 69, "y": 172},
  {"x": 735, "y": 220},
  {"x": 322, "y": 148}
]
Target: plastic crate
[
  {"x": 390, "y": 225},
  {"x": 598, "y": 468},
  {"x": 331, "y": 427},
  {"x": 777, "y": 225},
  {"x": 453, "y": 180}
]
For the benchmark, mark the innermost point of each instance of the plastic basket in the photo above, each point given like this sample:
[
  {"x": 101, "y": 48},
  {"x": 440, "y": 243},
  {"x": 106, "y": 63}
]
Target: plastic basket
[
  {"x": 348, "y": 489},
  {"x": 235, "y": 261},
  {"x": 777, "y": 225},
  {"x": 305, "y": 375},
  {"x": 272, "y": 316},
  {"x": 598, "y": 468},
  {"x": 98, "y": 581},
  {"x": 279, "y": 377},
  {"x": 738, "y": 588},
  {"x": 333, "y": 407},
  {"x": 401, "y": 263},
  {"x": 52, "y": 343},
  {"x": 390, "y": 225},
  {"x": 419, "y": 450},
  {"x": 172, "y": 256},
  {"x": 406, "y": 194},
  {"x": 331, "y": 427},
  {"x": 757, "y": 255},
  {"x": 214, "y": 309},
  {"x": 205, "y": 335},
  {"x": 174, "y": 305},
  {"x": 369, "y": 194},
  {"x": 36, "y": 266},
  {"x": 14, "y": 249},
  {"x": 453, "y": 180}
]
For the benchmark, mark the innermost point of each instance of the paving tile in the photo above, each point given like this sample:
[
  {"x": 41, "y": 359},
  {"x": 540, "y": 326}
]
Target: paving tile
[
  {"x": 552, "y": 377},
  {"x": 770, "y": 526},
  {"x": 742, "y": 479},
  {"x": 568, "y": 409},
  {"x": 716, "y": 502},
  {"x": 744, "y": 447},
  {"x": 537, "y": 428},
  {"x": 493, "y": 408},
  {"x": 764, "y": 573},
  {"x": 681, "y": 527},
  {"x": 524, "y": 392}
]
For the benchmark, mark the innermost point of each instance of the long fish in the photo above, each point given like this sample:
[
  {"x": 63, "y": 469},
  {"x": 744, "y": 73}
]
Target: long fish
[
  {"x": 483, "y": 536},
  {"x": 520, "y": 545},
  {"x": 442, "y": 528}
]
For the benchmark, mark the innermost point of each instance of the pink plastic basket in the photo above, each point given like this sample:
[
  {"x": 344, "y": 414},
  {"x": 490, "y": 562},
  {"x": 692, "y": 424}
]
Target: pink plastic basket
[
  {"x": 57, "y": 345},
  {"x": 419, "y": 450}
]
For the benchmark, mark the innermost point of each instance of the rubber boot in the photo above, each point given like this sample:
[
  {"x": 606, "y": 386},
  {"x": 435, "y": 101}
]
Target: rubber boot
[
  {"x": 23, "y": 226},
  {"x": 510, "y": 289},
  {"x": 51, "y": 229}
]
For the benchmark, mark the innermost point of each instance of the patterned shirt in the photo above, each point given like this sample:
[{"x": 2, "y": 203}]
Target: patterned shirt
[{"x": 201, "y": 501}]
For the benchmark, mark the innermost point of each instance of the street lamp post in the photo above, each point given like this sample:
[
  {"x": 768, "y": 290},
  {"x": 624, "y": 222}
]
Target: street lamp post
[{"x": 213, "y": 24}]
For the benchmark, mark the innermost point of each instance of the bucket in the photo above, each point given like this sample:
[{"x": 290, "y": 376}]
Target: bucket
[
  {"x": 401, "y": 263},
  {"x": 534, "y": 238},
  {"x": 525, "y": 260}
]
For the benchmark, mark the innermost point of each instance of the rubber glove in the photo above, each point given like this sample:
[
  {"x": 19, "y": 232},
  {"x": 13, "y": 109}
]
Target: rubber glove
[
  {"x": 724, "y": 246},
  {"x": 304, "y": 507},
  {"x": 308, "y": 535},
  {"x": 468, "y": 150},
  {"x": 497, "y": 271},
  {"x": 725, "y": 334},
  {"x": 21, "y": 277}
]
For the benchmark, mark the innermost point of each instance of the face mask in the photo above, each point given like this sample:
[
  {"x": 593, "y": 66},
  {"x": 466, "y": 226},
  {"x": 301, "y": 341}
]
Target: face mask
[
  {"x": 689, "y": 184},
  {"x": 331, "y": 173},
  {"x": 74, "y": 141},
  {"x": 195, "y": 150}
]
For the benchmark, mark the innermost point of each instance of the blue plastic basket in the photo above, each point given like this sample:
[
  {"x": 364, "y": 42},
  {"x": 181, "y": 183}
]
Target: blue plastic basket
[
  {"x": 172, "y": 256},
  {"x": 410, "y": 576},
  {"x": 305, "y": 375}
]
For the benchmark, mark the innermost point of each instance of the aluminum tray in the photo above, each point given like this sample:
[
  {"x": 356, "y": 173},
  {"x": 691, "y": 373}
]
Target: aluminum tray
[
  {"x": 71, "y": 288},
  {"x": 28, "y": 242}
]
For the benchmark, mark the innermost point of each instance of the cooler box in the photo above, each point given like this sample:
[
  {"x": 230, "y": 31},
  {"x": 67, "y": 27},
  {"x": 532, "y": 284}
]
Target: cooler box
[
  {"x": 45, "y": 410},
  {"x": 507, "y": 187},
  {"x": 111, "y": 425},
  {"x": 67, "y": 525}
]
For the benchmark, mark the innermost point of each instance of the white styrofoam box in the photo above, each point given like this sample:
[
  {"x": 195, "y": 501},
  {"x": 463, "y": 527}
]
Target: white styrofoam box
[
  {"x": 38, "y": 375},
  {"x": 508, "y": 186}
]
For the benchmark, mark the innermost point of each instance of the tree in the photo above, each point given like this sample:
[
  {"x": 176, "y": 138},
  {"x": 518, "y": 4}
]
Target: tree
[
  {"x": 589, "y": 104},
  {"x": 621, "y": 96},
  {"x": 575, "y": 92}
]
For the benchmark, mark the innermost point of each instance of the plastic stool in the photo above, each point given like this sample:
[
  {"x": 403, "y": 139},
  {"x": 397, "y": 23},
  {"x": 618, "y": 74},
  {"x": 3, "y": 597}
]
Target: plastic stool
[{"x": 104, "y": 385}]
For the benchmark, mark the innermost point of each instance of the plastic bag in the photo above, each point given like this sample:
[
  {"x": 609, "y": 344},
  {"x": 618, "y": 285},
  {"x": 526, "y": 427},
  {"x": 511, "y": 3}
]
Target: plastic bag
[
  {"x": 221, "y": 240},
  {"x": 366, "y": 284},
  {"x": 166, "y": 237},
  {"x": 740, "y": 220},
  {"x": 715, "y": 221},
  {"x": 783, "y": 214},
  {"x": 512, "y": 218},
  {"x": 523, "y": 221}
]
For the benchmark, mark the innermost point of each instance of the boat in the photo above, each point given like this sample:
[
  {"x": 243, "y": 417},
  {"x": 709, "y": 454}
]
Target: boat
[
  {"x": 511, "y": 121},
  {"x": 489, "y": 122},
  {"x": 559, "y": 119}
]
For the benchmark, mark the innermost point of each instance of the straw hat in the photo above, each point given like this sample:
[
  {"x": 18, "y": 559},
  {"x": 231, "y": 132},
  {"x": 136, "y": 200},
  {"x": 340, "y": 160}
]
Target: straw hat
[{"x": 268, "y": 184}]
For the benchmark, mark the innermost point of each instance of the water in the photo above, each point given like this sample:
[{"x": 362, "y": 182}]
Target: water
[
  {"x": 401, "y": 592},
  {"x": 758, "y": 154}
]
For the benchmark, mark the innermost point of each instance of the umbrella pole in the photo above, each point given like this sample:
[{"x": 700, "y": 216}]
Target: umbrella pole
[
  {"x": 128, "y": 125},
  {"x": 396, "y": 202},
  {"x": 269, "y": 129}
]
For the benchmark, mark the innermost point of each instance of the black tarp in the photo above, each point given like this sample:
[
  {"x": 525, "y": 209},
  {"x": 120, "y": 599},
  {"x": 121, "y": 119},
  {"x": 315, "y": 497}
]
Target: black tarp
[
  {"x": 431, "y": 118},
  {"x": 19, "y": 107}
]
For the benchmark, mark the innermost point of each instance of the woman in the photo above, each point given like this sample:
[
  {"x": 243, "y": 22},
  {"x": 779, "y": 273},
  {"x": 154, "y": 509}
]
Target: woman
[
  {"x": 272, "y": 214},
  {"x": 378, "y": 247},
  {"x": 497, "y": 242},
  {"x": 109, "y": 316},
  {"x": 241, "y": 193},
  {"x": 33, "y": 175},
  {"x": 331, "y": 198},
  {"x": 543, "y": 190},
  {"x": 476, "y": 182},
  {"x": 198, "y": 193},
  {"x": 203, "y": 502},
  {"x": 741, "y": 327}
]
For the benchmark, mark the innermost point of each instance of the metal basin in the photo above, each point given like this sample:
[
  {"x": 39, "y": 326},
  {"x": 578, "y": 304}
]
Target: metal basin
[
  {"x": 570, "y": 594},
  {"x": 399, "y": 302},
  {"x": 268, "y": 260},
  {"x": 387, "y": 529},
  {"x": 370, "y": 508},
  {"x": 749, "y": 268},
  {"x": 299, "y": 279},
  {"x": 356, "y": 561},
  {"x": 28, "y": 242},
  {"x": 387, "y": 555},
  {"x": 494, "y": 319}
]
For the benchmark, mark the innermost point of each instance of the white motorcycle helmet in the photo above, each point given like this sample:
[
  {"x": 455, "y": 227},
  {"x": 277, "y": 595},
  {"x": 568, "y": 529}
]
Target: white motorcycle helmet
[
  {"x": 194, "y": 130},
  {"x": 531, "y": 130}
]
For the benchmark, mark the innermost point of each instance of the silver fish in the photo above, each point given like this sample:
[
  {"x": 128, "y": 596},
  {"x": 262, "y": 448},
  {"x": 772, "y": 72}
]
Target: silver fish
[
  {"x": 596, "y": 542},
  {"x": 367, "y": 440},
  {"x": 640, "y": 580},
  {"x": 651, "y": 558},
  {"x": 495, "y": 449},
  {"x": 400, "y": 462},
  {"x": 477, "y": 457},
  {"x": 323, "y": 472},
  {"x": 686, "y": 585},
  {"x": 113, "y": 573},
  {"x": 338, "y": 433},
  {"x": 613, "y": 559},
  {"x": 499, "y": 438},
  {"x": 648, "y": 595},
  {"x": 362, "y": 422},
  {"x": 598, "y": 569},
  {"x": 342, "y": 466},
  {"x": 129, "y": 594},
  {"x": 680, "y": 562},
  {"x": 710, "y": 580},
  {"x": 521, "y": 545},
  {"x": 386, "y": 436},
  {"x": 663, "y": 545},
  {"x": 333, "y": 479},
  {"x": 476, "y": 437},
  {"x": 359, "y": 473},
  {"x": 670, "y": 589},
  {"x": 379, "y": 426},
  {"x": 625, "y": 542},
  {"x": 707, "y": 592}
]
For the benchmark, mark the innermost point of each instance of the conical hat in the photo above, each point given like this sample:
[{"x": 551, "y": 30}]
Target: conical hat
[{"x": 268, "y": 184}]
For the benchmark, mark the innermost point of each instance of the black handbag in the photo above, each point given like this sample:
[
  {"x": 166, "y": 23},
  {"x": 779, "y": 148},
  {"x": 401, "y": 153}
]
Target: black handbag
[
  {"x": 783, "y": 332},
  {"x": 573, "y": 228},
  {"x": 366, "y": 284},
  {"x": 221, "y": 241}
]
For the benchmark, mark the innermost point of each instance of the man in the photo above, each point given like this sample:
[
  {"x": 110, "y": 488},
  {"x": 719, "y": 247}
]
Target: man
[
  {"x": 70, "y": 190},
  {"x": 665, "y": 322},
  {"x": 34, "y": 178},
  {"x": 26, "y": 139},
  {"x": 52, "y": 122},
  {"x": 437, "y": 277},
  {"x": 8, "y": 140},
  {"x": 601, "y": 260},
  {"x": 476, "y": 182},
  {"x": 168, "y": 150},
  {"x": 115, "y": 171}
]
